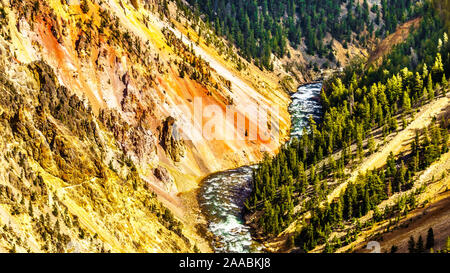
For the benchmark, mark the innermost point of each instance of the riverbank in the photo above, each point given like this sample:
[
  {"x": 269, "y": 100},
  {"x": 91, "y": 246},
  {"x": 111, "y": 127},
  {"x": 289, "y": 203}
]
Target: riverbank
[{"x": 221, "y": 196}]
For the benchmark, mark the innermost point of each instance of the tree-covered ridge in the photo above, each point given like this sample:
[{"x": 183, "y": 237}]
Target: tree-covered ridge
[
  {"x": 417, "y": 53},
  {"x": 375, "y": 186},
  {"x": 261, "y": 27},
  {"x": 355, "y": 104}
]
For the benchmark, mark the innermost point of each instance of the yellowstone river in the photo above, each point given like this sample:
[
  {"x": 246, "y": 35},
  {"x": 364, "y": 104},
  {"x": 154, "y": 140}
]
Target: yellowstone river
[{"x": 222, "y": 195}]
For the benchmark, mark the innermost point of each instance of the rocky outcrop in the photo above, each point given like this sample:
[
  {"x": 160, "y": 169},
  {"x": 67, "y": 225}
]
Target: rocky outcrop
[
  {"x": 163, "y": 175},
  {"x": 62, "y": 180},
  {"x": 170, "y": 140},
  {"x": 135, "y": 3}
]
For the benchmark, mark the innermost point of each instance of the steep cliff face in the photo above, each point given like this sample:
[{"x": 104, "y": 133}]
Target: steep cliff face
[
  {"x": 65, "y": 183},
  {"x": 95, "y": 107}
]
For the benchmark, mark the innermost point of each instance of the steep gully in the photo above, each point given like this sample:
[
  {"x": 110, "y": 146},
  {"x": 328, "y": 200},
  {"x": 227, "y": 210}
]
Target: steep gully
[{"x": 222, "y": 194}]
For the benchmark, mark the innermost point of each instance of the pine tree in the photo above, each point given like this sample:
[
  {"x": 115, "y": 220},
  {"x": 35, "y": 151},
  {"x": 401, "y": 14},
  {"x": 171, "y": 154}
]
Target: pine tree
[
  {"x": 430, "y": 88},
  {"x": 411, "y": 245},
  {"x": 420, "y": 247},
  {"x": 402, "y": 174},
  {"x": 406, "y": 102},
  {"x": 394, "y": 249},
  {"x": 430, "y": 239},
  {"x": 302, "y": 178},
  {"x": 425, "y": 94},
  {"x": 438, "y": 68},
  {"x": 444, "y": 85},
  {"x": 425, "y": 71},
  {"x": 418, "y": 85}
]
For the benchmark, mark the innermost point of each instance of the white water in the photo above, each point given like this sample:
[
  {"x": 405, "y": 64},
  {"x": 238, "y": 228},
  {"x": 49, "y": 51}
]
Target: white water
[
  {"x": 223, "y": 194},
  {"x": 222, "y": 199},
  {"x": 305, "y": 102}
]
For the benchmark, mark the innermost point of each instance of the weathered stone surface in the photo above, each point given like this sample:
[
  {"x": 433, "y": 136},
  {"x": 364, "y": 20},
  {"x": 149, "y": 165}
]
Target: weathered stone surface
[
  {"x": 173, "y": 146},
  {"x": 162, "y": 174}
]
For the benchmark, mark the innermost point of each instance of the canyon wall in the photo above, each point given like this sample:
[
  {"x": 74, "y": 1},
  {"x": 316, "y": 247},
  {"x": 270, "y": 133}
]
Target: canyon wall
[{"x": 99, "y": 106}]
